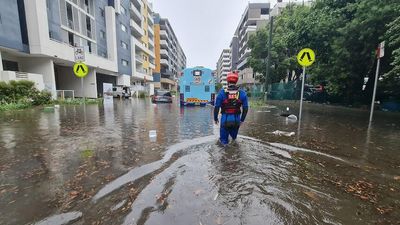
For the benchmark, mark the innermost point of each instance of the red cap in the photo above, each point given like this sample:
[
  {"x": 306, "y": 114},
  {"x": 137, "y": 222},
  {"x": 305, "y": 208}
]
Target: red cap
[{"x": 232, "y": 77}]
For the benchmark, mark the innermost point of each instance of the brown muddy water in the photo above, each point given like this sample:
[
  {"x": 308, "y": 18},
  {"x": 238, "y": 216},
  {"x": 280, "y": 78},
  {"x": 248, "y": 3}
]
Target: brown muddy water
[{"x": 97, "y": 165}]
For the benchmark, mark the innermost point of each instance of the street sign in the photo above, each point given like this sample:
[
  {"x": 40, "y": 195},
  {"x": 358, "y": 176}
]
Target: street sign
[
  {"x": 81, "y": 70},
  {"x": 79, "y": 53},
  {"x": 381, "y": 50},
  {"x": 306, "y": 57}
]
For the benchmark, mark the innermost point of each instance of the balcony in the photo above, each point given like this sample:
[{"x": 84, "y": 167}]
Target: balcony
[
  {"x": 151, "y": 42},
  {"x": 143, "y": 48},
  {"x": 163, "y": 43},
  {"x": 164, "y": 52},
  {"x": 167, "y": 81},
  {"x": 163, "y": 34},
  {"x": 140, "y": 74},
  {"x": 139, "y": 58},
  {"x": 150, "y": 30},
  {"x": 164, "y": 62},
  {"x": 151, "y": 19},
  {"x": 136, "y": 14},
  {"x": 136, "y": 30}
]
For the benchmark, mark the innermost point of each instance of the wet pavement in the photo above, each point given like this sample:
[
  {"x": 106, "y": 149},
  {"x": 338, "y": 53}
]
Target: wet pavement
[{"x": 97, "y": 165}]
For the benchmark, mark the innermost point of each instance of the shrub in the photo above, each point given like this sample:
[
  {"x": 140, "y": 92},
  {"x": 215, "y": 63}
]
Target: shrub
[
  {"x": 14, "y": 91},
  {"x": 41, "y": 98}
]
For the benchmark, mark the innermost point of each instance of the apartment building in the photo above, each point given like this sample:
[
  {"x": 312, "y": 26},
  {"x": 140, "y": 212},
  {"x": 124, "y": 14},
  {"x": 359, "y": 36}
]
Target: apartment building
[
  {"x": 143, "y": 46},
  {"x": 170, "y": 57},
  {"x": 255, "y": 16},
  {"x": 38, "y": 37},
  {"x": 224, "y": 66}
]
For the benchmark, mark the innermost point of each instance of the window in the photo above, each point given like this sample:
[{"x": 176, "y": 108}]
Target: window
[
  {"x": 71, "y": 38},
  {"x": 123, "y": 27},
  {"x": 89, "y": 46},
  {"x": 264, "y": 11},
  {"x": 10, "y": 65},
  {"x": 124, "y": 62},
  {"x": 102, "y": 34},
  {"x": 123, "y": 10},
  {"x": 88, "y": 27},
  {"x": 187, "y": 88},
  {"x": 102, "y": 13},
  {"x": 207, "y": 88},
  {"x": 70, "y": 16},
  {"x": 124, "y": 45}
]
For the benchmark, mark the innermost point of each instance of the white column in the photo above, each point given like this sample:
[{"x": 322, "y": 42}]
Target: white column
[
  {"x": 1, "y": 62},
  {"x": 37, "y": 25},
  {"x": 111, "y": 34},
  {"x": 90, "y": 84}
]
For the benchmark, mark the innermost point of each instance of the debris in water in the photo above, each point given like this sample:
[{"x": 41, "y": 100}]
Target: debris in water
[
  {"x": 292, "y": 117},
  {"x": 283, "y": 133},
  {"x": 216, "y": 196}
]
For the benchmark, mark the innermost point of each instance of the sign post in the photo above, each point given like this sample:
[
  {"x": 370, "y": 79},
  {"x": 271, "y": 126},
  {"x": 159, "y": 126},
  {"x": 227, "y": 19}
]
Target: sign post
[
  {"x": 81, "y": 70},
  {"x": 379, "y": 54},
  {"x": 305, "y": 58}
]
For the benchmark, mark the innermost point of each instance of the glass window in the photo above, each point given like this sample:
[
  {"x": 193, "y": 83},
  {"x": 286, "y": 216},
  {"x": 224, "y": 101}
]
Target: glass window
[
  {"x": 187, "y": 88},
  {"x": 124, "y": 62},
  {"x": 71, "y": 38},
  {"x": 102, "y": 13},
  {"x": 264, "y": 11},
  {"x": 123, "y": 27},
  {"x": 207, "y": 88},
  {"x": 124, "y": 45}
]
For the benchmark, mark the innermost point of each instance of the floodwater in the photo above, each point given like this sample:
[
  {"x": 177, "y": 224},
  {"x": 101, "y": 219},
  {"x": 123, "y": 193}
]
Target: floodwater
[{"x": 97, "y": 165}]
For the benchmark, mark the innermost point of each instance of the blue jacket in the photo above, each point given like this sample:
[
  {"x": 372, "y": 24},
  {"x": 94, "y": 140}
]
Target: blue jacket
[{"x": 222, "y": 96}]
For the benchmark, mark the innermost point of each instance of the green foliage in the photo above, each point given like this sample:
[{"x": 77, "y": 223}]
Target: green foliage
[
  {"x": 14, "y": 106},
  {"x": 78, "y": 101},
  {"x": 343, "y": 33},
  {"x": 14, "y": 91},
  {"x": 41, "y": 98},
  {"x": 218, "y": 87}
]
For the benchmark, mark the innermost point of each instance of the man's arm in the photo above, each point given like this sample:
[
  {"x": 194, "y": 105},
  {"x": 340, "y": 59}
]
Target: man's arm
[
  {"x": 245, "y": 106},
  {"x": 217, "y": 106}
]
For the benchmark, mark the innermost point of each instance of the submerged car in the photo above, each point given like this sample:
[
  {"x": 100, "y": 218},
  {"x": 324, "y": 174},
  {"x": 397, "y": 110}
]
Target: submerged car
[{"x": 162, "y": 96}]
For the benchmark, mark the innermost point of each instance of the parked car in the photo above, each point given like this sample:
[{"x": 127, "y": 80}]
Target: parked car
[
  {"x": 121, "y": 91},
  {"x": 162, "y": 96}
]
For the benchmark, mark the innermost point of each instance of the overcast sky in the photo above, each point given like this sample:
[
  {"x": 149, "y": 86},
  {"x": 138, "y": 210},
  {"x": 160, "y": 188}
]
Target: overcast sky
[{"x": 203, "y": 27}]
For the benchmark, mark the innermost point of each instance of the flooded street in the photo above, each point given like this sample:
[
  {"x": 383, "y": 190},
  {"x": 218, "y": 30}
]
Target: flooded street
[{"x": 97, "y": 165}]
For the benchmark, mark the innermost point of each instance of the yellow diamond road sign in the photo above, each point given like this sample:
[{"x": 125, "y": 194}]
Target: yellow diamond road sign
[
  {"x": 306, "y": 57},
  {"x": 81, "y": 70}
]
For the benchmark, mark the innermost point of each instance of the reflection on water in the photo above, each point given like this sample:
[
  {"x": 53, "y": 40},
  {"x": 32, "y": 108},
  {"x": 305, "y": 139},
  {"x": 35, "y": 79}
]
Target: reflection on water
[{"x": 92, "y": 159}]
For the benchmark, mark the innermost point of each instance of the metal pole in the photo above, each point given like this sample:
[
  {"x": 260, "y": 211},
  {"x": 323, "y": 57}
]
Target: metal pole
[
  {"x": 83, "y": 91},
  {"x": 271, "y": 24},
  {"x": 374, "y": 94},
  {"x": 302, "y": 93}
]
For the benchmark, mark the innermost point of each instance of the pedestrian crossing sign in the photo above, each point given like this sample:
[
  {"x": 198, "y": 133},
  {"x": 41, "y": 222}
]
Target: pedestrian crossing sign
[
  {"x": 80, "y": 70},
  {"x": 306, "y": 57}
]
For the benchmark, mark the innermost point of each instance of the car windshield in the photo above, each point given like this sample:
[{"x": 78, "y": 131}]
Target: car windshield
[{"x": 164, "y": 93}]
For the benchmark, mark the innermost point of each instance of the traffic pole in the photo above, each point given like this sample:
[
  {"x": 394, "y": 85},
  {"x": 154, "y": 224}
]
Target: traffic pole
[
  {"x": 83, "y": 90},
  {"x": 375, "y": 86},
  {"x": 302, "y": 93}
]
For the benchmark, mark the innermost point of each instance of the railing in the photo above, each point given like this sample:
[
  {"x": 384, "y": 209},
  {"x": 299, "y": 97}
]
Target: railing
[{"x": 62, "y": 94}]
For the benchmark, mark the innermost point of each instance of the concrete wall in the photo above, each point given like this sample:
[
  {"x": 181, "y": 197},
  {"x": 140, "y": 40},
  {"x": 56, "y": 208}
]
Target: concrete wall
[
  {"x": 68, "y": 81},
  {"x": 12, "y": 75},
  {"x": 43, "y": 66}
]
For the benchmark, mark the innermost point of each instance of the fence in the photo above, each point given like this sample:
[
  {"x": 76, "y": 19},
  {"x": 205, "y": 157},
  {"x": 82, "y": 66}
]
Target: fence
[{"x": 276, "y": 91}]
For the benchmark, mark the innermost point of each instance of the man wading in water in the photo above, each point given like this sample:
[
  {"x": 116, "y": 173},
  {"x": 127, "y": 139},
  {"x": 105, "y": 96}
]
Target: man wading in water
[{"x": 234, "y": 106}]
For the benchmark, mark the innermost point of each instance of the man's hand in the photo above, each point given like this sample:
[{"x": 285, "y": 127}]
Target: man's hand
[{"x": 216, "y": 122}]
